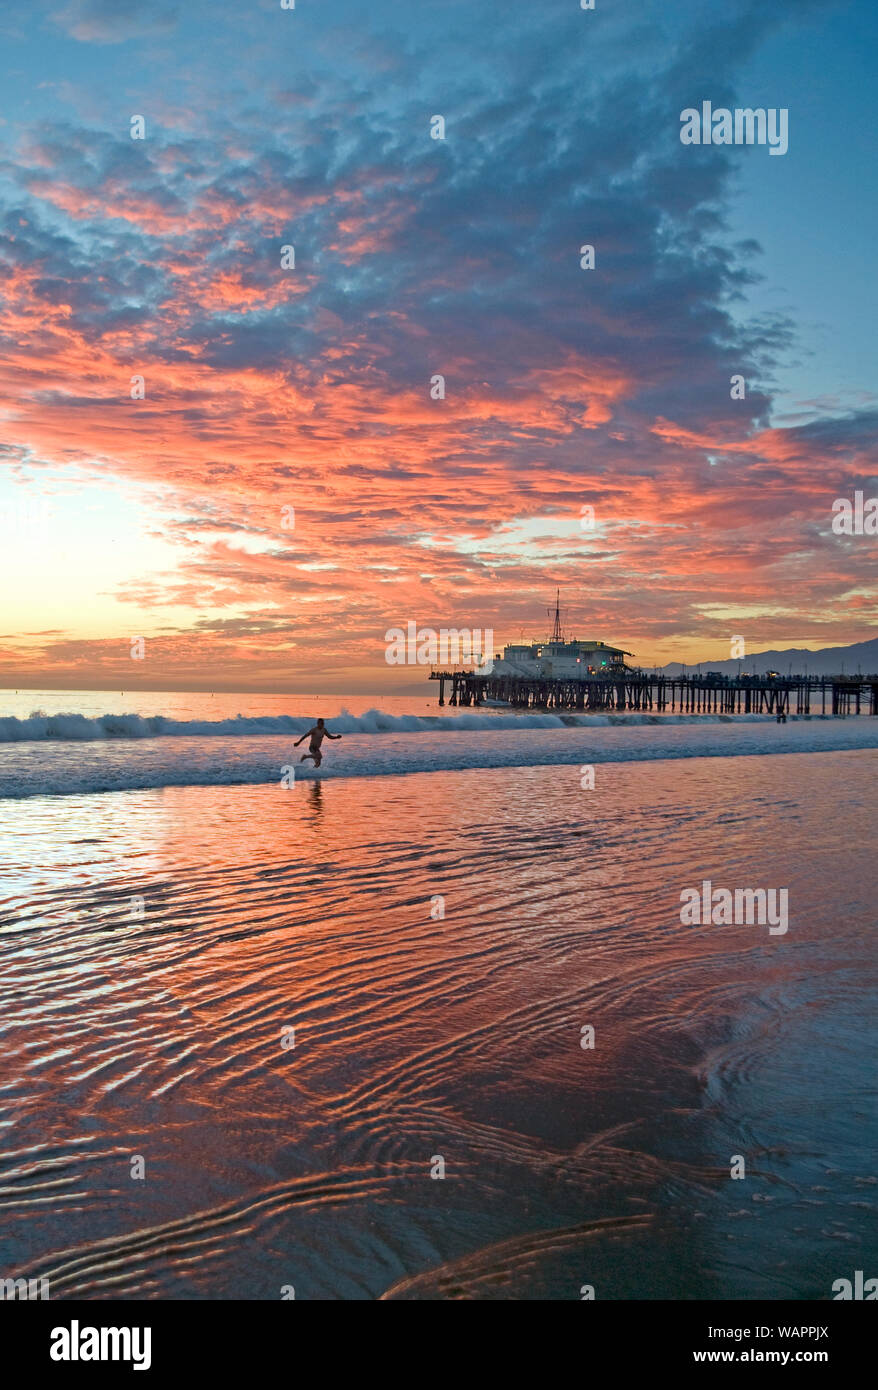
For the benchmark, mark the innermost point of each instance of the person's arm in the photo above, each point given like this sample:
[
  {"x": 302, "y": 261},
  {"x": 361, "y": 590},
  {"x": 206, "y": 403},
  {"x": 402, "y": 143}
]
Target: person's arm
[
  {"x": 329, "y": 735},
  {"x": 302, "y": 739}
]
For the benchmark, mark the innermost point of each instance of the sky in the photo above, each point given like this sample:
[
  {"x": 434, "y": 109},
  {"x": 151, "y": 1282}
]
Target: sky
[{"x": 236, "y": 454}]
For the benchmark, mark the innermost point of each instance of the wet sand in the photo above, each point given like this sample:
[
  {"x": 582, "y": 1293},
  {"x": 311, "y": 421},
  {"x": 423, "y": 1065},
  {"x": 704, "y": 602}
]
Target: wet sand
[{"x": 454, "y": 1037}]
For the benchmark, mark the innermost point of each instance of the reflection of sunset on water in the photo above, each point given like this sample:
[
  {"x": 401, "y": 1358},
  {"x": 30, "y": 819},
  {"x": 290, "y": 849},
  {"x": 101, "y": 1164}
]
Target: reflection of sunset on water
[{"x": 456, "y": 1034}]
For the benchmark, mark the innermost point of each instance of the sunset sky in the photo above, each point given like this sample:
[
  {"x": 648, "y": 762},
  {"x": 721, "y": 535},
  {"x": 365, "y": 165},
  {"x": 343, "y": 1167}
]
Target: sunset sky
[{"x": 309, "y": 388}]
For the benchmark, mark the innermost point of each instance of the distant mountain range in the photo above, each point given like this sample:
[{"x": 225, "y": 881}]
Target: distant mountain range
[{"x": 828, "y": 661}]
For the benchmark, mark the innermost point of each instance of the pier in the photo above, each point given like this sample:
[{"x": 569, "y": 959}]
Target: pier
[{"x": 638, "y": 690}]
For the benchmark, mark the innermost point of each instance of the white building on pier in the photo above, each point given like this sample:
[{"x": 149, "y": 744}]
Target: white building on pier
[{"x": 560, "y": 657}]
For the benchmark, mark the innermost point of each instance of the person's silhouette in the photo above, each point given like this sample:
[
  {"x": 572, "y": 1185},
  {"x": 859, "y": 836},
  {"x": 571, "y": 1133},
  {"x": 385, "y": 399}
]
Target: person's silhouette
[{"x": 317, "y": 735}]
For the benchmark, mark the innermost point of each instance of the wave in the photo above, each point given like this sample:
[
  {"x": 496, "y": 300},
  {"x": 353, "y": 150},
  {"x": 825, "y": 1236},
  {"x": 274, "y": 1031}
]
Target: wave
[
  {"x": 115, "y": 764},
  {"x": 78, "y": 728}
]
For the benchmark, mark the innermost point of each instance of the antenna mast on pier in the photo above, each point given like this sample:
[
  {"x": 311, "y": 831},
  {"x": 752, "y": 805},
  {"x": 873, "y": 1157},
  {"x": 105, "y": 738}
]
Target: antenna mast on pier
[{"x": 556, "y": 630}]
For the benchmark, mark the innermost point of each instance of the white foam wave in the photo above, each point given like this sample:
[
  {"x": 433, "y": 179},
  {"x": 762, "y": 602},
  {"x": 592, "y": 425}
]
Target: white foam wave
[
  {"x": 120, "y": 764},
  {"x": 78, "y": 728}
]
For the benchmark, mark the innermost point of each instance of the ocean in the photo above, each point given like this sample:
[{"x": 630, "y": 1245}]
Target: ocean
[{"x": 427, "y": 1023}]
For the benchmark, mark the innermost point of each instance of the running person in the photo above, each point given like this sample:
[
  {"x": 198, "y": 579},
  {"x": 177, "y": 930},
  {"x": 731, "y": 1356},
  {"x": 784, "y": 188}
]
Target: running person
[{"x": 317, "y": 735}]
